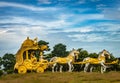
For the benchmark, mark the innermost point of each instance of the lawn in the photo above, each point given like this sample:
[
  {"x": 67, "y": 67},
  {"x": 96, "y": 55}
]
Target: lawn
[{"x": 65, "y": 77}]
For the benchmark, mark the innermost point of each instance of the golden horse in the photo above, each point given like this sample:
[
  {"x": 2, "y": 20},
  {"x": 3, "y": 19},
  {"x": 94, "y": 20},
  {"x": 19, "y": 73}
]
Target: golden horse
[
  {"x": 65, "y": 60},
  {"x": 100, "y": 60}
]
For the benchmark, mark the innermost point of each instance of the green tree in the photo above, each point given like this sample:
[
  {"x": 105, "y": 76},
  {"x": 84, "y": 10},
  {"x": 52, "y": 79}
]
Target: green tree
[
  {"x": 59, "y": 50},
  {"x": 93, "y": 55},
  {"x": 83, "y": 54},
  {"x": 0, "y": 62},
  {"x": 112, "y": 58},
  {"x": 80, "y": 49},
  {"x": 42, "y": 42},
  {"x": 8, "y": 61},
  {"x": 1, "y": 72}
]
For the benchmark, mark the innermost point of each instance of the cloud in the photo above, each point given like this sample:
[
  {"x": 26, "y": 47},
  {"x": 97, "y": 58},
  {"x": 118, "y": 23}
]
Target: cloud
[
  {"x": 33, "y": 22},
  {"x": 86, "y": 37},
  {"x": 28, "y": 7},
  {"x": 74, "y": 18},
  {"x": 101, "y": 6},
  {"x": 68, "y": 23},
  {"x": 62, "y": 24},
  {"x": 18, "y": 28},
  {"x": 12, "y": 37},
  {"x": 82, "y": 1},
  {"x": 28, "y": 26},
  {"x": 108, "y": 26},
  {"x": 94, "y": 37},
  {"x": 111, "y": 13},
  {"x": 80, "y": 29},
  {"x": 2, "y": 31},
  {"x": 56, "y": 18},
  {"x": 96, "y": 33},
  {"x": 44, "y": 1}
]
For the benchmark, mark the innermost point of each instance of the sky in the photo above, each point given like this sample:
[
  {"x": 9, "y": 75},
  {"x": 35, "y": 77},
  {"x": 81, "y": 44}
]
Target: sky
[{"x": 93, "y": 25}]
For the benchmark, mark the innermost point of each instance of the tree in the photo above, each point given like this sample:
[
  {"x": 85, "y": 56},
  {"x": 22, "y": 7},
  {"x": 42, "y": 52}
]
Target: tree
[
  {"x": 1, "y": 72},
  {"x": 0, "y": 62},
  {"x": 41, "y": 42},
  {"x": 93, "y": 55},
  {"x": 112, "y": 58},
  {"x": 59, "y": 50},
  {"x": 83, "y": 54},
  {"x": 8, "y": 61}
]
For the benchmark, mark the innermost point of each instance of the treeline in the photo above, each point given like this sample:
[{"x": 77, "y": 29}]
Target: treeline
[{"x": 8, "y": 61}]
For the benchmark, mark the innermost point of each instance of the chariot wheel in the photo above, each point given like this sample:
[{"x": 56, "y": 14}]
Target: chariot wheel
[
  {"x": 40, "y": 70},
  {"x": 22, "y": 70}
]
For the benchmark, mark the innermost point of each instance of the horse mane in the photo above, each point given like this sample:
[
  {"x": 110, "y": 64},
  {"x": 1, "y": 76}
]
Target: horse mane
[
  {"x": 70, "y": 52},
  {"x": 99, "y": 54}
]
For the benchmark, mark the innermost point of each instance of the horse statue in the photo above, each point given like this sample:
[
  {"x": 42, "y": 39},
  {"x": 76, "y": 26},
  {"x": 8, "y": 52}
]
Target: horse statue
[
  {"x": 65, "y": 60},
  {"x": 100, "y": 60}
]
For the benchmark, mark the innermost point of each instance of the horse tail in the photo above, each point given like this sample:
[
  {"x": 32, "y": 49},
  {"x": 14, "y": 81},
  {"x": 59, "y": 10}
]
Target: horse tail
[
  {"x": 53, "y": 59},
  {"x": 84, "y": 61}
]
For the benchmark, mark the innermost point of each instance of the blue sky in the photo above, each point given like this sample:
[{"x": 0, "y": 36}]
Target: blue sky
[{"x": 93, "y": 25}]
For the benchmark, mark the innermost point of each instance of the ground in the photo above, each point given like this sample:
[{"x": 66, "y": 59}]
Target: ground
[{"x": 65, "y": 77}]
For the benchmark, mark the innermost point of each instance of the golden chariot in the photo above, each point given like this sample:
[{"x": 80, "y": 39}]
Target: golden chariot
[{"x": 26, "y": 59}]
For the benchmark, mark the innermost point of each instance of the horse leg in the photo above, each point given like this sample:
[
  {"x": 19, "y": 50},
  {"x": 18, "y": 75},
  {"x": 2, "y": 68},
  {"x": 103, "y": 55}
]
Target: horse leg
[
  {"x": 91, "y": 69},
  {"x": 56, "y": 67},
  {"x": 61, "y": 68},
  {"x": 53, "y": 67},
  {"x": 103, "y": 68},
  {"x": 70, "y": 66},
  {"x": 86, "y": 67}
]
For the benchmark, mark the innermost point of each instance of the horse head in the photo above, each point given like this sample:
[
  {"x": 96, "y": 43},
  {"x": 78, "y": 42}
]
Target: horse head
[
  {"x": 106, "y": 53},
  {"x": 75, "y": 53}
]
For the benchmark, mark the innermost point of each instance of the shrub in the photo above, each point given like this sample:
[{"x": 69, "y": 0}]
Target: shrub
[
  {"x": 10, "y": 71},
  {"x": 1, "y": 72}
]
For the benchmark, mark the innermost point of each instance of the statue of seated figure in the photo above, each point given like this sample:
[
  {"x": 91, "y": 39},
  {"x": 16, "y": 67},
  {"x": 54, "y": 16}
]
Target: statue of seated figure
[{"x": 33, "y": 58}]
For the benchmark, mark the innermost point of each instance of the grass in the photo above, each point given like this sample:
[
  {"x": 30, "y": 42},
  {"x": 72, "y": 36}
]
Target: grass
[{"x": 65, "y": 77}]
